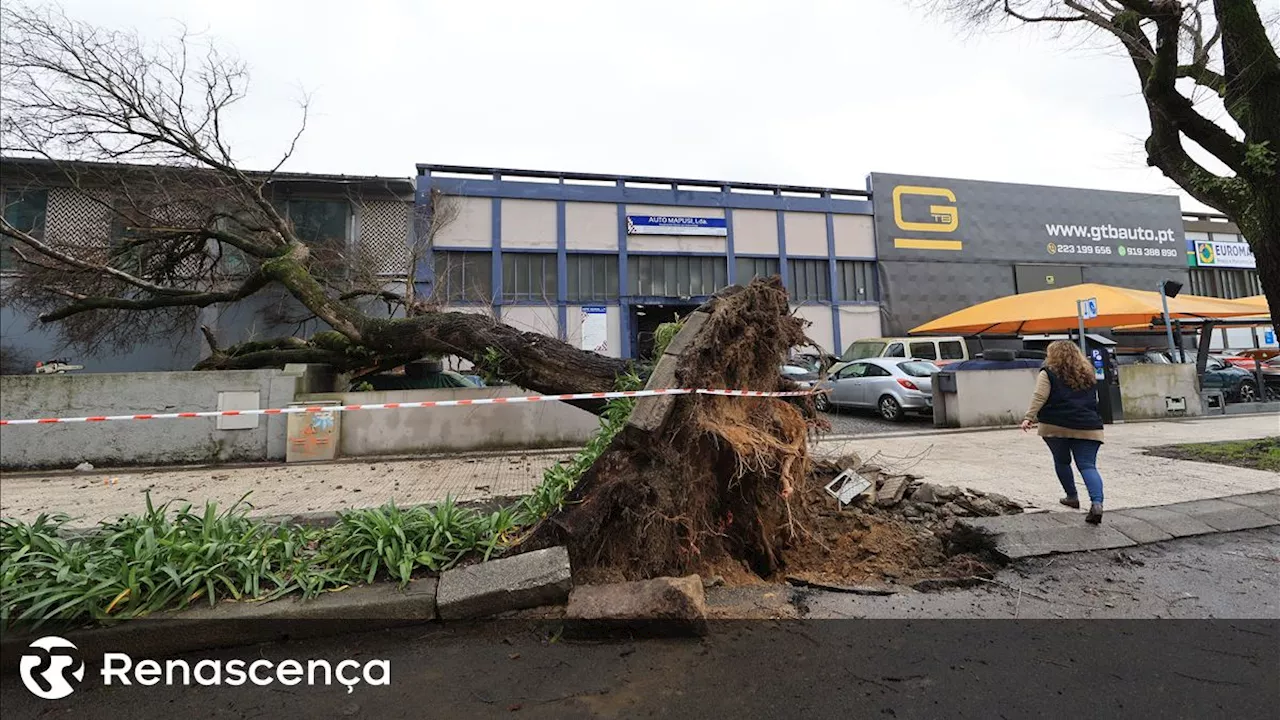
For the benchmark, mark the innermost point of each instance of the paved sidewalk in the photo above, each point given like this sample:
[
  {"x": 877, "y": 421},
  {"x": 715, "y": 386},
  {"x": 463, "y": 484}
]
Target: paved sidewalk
[
  {"x": 275, "y": 489},
  {"x": 1021, "y": 536},
  {"x": 1018, "y": 464}
]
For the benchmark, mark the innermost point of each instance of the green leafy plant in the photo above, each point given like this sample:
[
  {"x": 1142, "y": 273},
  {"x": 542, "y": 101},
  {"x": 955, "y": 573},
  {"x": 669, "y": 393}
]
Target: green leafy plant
[{"x": 171, "y": 556}]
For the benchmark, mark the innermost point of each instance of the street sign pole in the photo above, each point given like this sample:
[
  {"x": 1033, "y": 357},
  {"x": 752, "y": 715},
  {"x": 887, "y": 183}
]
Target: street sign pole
[
  {"x": 1080, "y": 318},
  {"x": 1168, "y": 328}
]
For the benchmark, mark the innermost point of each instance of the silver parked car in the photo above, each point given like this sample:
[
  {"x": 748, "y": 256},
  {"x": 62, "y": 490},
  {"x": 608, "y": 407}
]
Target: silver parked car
[{"x": 891, "y": 386}]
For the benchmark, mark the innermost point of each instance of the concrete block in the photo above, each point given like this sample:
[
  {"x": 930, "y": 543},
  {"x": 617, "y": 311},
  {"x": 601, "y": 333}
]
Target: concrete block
[
  {"x": 1137, "y": 530},
  {"x": 692, "y": 326},
  {"x": 541, "y": 577},
  {"x": 1172, "y": 522},
  {"x": 1222, "y": 515},
  {"x": 1062, "y": 539},
  {"x": 650, "y": 413},
  {"x": 661, "y": 606},
  {"x": 1267, "y": 503}
]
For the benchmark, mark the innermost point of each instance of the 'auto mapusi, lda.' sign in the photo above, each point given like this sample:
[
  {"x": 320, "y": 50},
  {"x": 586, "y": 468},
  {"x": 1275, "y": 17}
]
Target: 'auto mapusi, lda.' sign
[
  {"x": 676, "y": 225},
  {"x": 938, "y": 219}
]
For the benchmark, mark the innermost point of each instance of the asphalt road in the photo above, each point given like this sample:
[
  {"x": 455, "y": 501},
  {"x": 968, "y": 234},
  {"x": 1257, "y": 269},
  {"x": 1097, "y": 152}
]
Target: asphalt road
[
  {"x": 914, "y": 666},
  {"x": 865, "y": 422}
]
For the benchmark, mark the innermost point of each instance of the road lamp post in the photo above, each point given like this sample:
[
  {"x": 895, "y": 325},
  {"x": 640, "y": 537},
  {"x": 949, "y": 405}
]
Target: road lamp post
[{"x": 1169, "y": 289}]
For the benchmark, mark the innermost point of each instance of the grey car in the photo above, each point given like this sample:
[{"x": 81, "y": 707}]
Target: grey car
[{"x": 891, "y": 386}]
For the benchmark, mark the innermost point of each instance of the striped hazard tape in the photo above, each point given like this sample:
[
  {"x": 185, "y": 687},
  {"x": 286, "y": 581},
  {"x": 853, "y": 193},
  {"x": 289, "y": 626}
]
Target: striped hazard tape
[{"x": 407, "y": 405}]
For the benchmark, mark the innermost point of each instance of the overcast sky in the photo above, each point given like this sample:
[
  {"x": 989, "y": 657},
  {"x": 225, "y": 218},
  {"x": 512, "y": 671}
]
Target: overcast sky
[{"x": 804, "y": 92}]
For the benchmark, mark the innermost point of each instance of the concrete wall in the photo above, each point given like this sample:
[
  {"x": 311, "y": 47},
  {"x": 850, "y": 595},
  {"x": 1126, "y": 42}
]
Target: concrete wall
[
  {"x": 806, "y": 234},
  {"x": 755, "y": 232},
  {"x": 388, "y": 432},
  {"x": 139, "y": 442},
  {"x": 529, "y": 224},
  {"x": 473, "y": 227},
  {"x": 985, "y": 398},
  {"x": 1144, "y": 389},
  {"x": 590, "y": 226},
  {"x": 857, "y": 322}
]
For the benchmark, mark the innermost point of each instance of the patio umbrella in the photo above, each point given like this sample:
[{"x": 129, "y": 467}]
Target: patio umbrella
[
  {"x": 1256, "y": 303},
  {"x": 1055, "y": 311}
]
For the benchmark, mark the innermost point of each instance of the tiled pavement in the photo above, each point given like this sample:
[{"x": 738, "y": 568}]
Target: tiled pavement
[{"x": 1031, "y": 535}]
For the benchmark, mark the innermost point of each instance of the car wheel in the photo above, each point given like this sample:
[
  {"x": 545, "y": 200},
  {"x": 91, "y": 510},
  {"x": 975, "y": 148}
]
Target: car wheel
[
  {"x": 823, "y": 402},
  {"x": 1248, "y": 392},
  {"x": 890, "y": 409}
]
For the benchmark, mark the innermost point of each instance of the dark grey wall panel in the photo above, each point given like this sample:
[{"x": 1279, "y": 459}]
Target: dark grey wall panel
[
  {"x": 947, "y": 220},
  {"x": 915, "y": 293}
]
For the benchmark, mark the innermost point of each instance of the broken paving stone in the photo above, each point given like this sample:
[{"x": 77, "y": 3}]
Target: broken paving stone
[
  {"x": 911, "y": 512},
  {"x": 661, "y": 606},
  {"x": 927, "y": 493},
  {"x": 892, "y": 491},
  {"x": 980, "y": 506},
  {"x": 84, "y": 467},
  {"x": 531, "y": 579}
]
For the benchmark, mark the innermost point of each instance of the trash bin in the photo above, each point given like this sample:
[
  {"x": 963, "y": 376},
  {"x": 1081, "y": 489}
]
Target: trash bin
[{"x": 313, "y": 436}]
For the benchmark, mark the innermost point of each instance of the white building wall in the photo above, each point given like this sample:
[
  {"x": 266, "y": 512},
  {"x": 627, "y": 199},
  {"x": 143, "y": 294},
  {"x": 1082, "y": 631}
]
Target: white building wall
[
  {"x": 806, "y": 234},
  {"x": 590, "y": 226},
  {"x": 858, "y": 321},
  {"x": 755, "y": 232},
  {"x": 819, "y": 330},
  {"x": 529, "y": 224},
  {"x": 537, "y": 318},
  {"x": 855, "y": 236},
  {"x": 473, "y": 226}
]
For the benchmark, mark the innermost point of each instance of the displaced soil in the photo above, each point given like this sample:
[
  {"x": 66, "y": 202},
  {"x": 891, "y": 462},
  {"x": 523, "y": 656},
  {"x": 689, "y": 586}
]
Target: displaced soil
[{"x": 1261, "y": 454}]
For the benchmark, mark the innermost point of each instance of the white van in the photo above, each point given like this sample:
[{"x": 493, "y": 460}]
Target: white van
[{"x": 938, "y": 350}]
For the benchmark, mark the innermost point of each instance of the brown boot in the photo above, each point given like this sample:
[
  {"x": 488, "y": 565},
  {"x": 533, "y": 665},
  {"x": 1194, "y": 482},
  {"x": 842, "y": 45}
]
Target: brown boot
[
  {"x": 1095, "y": 514},
  {"x": 1071, "y": 502}
]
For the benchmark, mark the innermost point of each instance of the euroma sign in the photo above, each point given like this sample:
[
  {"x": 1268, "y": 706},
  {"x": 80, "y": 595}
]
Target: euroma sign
[
  {"x": 676, "y": 225},
  {"x": 1211, "y": 253},
  {"x": 940, "y": 219}
]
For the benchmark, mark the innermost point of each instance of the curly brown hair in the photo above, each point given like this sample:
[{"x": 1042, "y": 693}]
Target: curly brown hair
[{"x": 1069, "y": 364}]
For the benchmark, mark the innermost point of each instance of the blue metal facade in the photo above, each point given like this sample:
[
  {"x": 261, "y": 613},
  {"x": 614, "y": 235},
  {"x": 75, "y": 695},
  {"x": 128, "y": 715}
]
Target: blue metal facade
[{"x": 621, "y": 191}]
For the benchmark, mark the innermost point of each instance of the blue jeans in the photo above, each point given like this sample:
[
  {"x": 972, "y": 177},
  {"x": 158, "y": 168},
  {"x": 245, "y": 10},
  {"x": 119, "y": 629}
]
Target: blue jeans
[{"x": 1086, "y": 456}]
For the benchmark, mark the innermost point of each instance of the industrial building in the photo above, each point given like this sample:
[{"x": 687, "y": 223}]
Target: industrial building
[{"x": 600, "y": 260}]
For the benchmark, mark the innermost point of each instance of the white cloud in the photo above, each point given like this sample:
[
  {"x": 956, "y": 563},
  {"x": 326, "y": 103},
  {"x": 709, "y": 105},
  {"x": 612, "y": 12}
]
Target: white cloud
[{"x": 809, "y": 92}]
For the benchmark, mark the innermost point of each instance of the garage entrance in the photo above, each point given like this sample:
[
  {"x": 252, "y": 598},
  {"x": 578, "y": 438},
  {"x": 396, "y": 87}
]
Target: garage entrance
[{"x": 645, "y": 320}]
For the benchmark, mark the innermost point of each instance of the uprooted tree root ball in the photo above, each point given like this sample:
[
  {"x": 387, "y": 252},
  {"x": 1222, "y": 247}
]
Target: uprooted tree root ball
[{"x": 716, "y": 480}]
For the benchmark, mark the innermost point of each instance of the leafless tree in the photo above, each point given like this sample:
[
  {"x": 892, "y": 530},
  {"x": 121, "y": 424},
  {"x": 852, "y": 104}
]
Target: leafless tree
[
  {"x": 1209, "y": 72},
  {"x": 194, "y": 230}
]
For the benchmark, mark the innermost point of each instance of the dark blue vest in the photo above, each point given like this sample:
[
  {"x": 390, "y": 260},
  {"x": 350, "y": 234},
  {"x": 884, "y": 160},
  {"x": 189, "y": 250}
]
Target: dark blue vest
[{"x": 1070, "y": 408}]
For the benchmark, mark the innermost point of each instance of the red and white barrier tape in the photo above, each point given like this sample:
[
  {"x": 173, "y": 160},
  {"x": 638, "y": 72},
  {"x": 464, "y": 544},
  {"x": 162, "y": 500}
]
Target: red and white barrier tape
[{"x": 404, "y": 405}]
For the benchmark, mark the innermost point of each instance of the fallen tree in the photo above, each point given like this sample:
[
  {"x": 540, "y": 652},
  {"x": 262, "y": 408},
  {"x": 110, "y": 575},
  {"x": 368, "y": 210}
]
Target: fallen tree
[
  {"x": 190, "y": 229},
  {"x": 710, "y": 478}
]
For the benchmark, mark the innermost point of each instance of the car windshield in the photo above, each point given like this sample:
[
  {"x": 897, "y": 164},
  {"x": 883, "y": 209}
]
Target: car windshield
[
  {"x": 860, "y": 350},
  {"x": 919, "y": 369}
]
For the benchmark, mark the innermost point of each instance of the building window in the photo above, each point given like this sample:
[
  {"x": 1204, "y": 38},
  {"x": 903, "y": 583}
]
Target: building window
[
  {"x": 809, "y": 281},
  {"x": 855, "y": 281},
  {"x": 25, "y": 210},
  {"x": 464, "y": 276},
  {"x": 529, "y": 276},
  {"x": 591, "y": 278},
  {"x": 1225, "y": 283},
  {"x": 678, "y": 276},
  {"x": 753, "y": 267},
  {"x": 320, "y": 222}
]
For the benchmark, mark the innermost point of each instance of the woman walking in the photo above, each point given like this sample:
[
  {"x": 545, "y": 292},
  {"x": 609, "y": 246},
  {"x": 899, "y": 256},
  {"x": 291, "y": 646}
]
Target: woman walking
[{"x": 1065, "y": 404}]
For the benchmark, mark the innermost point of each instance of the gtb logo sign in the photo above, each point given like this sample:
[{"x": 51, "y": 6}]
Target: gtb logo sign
[
  {"x": 51, "y": 668},
  {"x": 941, "y": 218},
  {"x": 944, "y": 218}
]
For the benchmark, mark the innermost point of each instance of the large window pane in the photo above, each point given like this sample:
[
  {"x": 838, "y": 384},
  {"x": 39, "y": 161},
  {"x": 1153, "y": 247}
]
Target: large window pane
[
  {"x": 25, "y": 210},
  {"x": 809, "y": 281},
  {"x": 464, "y": 276},
  {"x": 529, "y": 276},
  {"x": 855, "y": 281},
  {"x": 320, "y": 222},
  {"x": 753, "y": 267},
  {"x": 676, "y": 275},
  {"x": 591, "y": 278}
]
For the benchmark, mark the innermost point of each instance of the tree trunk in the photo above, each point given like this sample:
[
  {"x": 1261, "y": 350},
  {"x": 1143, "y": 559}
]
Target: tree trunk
[
  {"x": 712, "y": 483},
  {"x": 1263, "y": 233}
]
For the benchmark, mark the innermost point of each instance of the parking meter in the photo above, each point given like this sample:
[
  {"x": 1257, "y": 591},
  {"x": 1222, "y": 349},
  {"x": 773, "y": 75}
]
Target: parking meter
[{"x": 1107, "y": 374}]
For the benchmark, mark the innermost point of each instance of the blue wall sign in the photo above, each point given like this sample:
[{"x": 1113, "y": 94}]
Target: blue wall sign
[
  {"x": 676, "y": 225},
  {"x": 1269, "y": 337}
]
